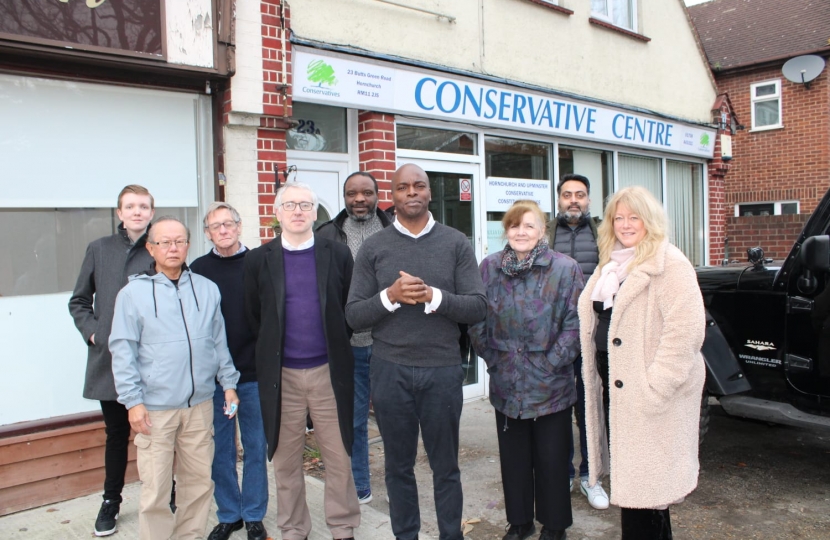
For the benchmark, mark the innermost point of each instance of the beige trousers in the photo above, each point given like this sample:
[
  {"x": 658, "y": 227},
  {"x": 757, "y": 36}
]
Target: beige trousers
[
  {"x": 187, "y": 434},
  {"x": 310, "y": 390}
]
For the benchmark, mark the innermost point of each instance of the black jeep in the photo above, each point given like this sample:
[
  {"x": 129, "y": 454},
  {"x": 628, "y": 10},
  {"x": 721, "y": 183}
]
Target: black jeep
[{"x": 767, "y": 344}]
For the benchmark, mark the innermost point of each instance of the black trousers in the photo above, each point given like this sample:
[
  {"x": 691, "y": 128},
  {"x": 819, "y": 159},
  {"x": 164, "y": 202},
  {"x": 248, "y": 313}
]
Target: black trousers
[
  {"x": 117, "y": 427},
  {"x": 534, "y": 468},
  {"x": 638, "y": 524}
]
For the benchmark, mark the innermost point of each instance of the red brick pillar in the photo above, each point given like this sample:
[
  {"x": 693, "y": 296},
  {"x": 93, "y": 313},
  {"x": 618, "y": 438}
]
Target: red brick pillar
[{"x": 376, "y": 141}]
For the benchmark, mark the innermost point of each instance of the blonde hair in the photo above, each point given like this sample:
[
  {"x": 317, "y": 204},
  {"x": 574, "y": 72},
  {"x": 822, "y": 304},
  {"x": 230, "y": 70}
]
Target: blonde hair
[
  {"x": 643, "y": 204},
  {"x": 515, "y": 213}
]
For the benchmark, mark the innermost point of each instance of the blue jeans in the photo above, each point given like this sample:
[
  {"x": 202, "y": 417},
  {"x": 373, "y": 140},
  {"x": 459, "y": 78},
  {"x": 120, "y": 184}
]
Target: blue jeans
[
  {"x": 249, "y": 503},
  {"x": 360, "y": 446},
  {"x": 408, "y": 399},
  {"x": 579, "y": 410}
]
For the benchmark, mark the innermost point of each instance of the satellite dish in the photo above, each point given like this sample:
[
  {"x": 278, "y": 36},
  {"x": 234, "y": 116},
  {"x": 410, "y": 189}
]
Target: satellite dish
[{"x": 803, "y": 69}]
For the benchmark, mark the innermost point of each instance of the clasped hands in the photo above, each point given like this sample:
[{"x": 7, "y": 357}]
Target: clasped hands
[{"x": 410, "y": 290}]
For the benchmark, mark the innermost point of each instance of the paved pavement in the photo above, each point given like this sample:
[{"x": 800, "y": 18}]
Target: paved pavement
[{"x": 480, "y": 475}]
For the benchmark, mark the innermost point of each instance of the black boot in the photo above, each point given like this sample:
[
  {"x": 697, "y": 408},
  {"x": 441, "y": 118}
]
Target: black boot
[{"x": 640, "y": 524}]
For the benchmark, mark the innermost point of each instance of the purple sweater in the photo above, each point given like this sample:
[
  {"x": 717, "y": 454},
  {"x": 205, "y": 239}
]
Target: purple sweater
[{"x": 305, "y": 341}]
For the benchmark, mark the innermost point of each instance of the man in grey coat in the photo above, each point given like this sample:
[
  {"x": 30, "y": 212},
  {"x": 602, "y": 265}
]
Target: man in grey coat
[
  {"x": 574, "y": 233},
  {"x": 168, "y": 346},
  {"x": 109, "y": 261}
]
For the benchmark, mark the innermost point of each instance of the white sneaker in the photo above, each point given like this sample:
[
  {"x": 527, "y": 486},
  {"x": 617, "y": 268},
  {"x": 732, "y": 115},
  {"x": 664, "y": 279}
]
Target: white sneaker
[
  {"x": 595, "y": 494},
  {"x": 572, "y": 485}
]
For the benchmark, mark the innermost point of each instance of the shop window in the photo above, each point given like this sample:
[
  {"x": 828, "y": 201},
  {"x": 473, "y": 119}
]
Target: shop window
[
  {"x": 767, "y": 208},
  {"x": 319, "y": 128},
  {"x": 596, "y": 166},
  {"x": 766, "y": 105},
  {"x": 684, "y": 206},
  {"x": 45, "y": 247},
  {"x": 620, "y": 13},
  {"x": 436, "y": 140},
  {"x": 515, "y": 169},
  {"x": 641, "y": 171},
  {"x": 514, "y": 158}
]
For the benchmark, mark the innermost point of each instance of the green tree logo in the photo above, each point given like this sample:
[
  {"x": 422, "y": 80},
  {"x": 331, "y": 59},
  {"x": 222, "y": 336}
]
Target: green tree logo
[
  {"x": 704, "y": 139},
  {"x": 321, "y": 73}
]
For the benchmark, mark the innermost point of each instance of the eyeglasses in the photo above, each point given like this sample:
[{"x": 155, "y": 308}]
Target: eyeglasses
[
  {"x": 305, "y": 206},
  {"x": 167, "y": 244},
  {"x": 230, "y": 225}
]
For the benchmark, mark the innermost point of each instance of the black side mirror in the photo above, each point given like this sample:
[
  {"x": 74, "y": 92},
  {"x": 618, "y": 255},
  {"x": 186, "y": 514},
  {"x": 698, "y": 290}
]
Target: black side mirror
[
  {"x": 756, "y": 257},
  {"x": 815, "y": 257}
]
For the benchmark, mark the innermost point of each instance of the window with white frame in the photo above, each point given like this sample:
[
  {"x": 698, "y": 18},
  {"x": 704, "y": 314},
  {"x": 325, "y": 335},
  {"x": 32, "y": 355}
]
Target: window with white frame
[
  {"x": 766, "y": 104},
  {"x": 622, "y": 13},
  {"x": 777, "y": 208}
]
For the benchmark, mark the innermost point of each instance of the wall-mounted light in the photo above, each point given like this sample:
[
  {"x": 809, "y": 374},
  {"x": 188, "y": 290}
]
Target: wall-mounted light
[{"x": 289, "y": 175}]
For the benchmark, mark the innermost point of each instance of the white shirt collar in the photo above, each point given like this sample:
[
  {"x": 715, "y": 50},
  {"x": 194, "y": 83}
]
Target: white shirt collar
[
  {"x": 403, "y": 230},
  {"x": 238, "y": 251},
  {"x": 305, "y": 245}
]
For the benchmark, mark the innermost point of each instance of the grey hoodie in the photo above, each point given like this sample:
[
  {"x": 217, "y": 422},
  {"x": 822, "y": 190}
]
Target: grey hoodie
[{"x": 168, "y": 342}]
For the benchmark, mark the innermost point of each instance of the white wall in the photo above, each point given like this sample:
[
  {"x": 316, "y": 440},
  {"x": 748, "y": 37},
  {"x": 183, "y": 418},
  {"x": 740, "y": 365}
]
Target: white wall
[
  {"x": 189, "y": 26},
  {"x": 522, "y": 41}
]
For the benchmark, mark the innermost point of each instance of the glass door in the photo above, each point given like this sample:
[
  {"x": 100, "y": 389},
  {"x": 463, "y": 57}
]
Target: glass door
[{"x": 454, "y": 203}]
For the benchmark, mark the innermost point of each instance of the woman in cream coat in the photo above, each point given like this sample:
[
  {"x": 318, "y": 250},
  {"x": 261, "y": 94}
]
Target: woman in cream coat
[{"x": 642, "y": 319}]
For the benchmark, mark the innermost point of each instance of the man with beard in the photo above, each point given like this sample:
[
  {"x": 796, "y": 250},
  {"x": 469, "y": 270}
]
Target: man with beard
[
  {"x": 360, "y": 219},
  {"x": 574, "y": 233}
]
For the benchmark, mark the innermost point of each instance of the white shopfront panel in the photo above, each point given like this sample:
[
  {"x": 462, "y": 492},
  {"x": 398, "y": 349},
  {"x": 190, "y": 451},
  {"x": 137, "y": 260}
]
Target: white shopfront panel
[{"x": 67, "y": 149}]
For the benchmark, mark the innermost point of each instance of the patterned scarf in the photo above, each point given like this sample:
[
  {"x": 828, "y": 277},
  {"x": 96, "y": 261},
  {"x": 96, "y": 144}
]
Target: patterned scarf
[{"x": 512, "y": 266}]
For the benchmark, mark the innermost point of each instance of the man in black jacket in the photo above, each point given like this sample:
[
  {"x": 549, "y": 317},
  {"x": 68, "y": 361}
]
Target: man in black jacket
[
  {"x": 360, "y": 219},
  {"x": 296, "y": 288},
  {"x": 235, "y": 507},
  {"x": 574, "y": 233}
]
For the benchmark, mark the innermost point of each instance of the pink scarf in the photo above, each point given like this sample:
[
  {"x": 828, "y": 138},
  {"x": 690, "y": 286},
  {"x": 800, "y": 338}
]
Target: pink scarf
[{"x": 612, "y": 274}]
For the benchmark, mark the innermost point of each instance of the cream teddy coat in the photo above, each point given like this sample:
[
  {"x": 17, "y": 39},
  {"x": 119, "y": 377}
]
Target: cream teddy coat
[{"x": 656, "y": 379}]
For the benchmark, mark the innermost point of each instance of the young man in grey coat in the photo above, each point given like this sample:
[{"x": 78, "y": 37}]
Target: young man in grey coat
[{"x": 109, "y": 261}]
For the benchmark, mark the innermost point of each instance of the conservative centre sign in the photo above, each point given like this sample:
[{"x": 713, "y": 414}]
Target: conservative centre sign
[{"x": 341, "y": 81}]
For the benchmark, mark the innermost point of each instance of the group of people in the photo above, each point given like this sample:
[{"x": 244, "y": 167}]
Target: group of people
[
  {"x": 315, "y": 323},
  {"x": 623, "y": 347}
]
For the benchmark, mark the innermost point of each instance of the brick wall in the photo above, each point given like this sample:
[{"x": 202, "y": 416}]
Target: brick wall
[
  {"x": 276, "y": 108},
  {"x": 775, "y": 234},
  {"x": 376, "y": 141},
  {"x": 791, "y": 163}
]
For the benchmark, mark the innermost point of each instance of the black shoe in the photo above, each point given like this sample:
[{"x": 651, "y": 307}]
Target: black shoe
[
  {"x": 107, "y": 516},
  {"x": 173, "y": 498},
  {"x": 549, "y": 534},
  {"x": 256, "y": 530},
  {"x": 223, "y": 531},
  {"x": 520, "y": 532}
]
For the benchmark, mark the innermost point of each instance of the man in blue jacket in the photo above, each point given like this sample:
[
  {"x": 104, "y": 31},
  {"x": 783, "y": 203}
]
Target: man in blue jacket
[{"x": 168, "y": 344}]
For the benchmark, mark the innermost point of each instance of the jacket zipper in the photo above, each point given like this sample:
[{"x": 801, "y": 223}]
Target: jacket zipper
[{"x": 189, "y": 346}]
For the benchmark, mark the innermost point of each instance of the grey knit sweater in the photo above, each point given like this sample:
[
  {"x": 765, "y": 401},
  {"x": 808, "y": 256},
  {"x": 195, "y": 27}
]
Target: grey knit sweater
[{"x": 444, "y": 259}]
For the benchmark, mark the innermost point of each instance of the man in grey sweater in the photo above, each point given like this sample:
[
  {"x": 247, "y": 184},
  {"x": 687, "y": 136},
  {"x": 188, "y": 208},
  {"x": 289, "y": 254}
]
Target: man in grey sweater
[{"x": 413, "y": 283}]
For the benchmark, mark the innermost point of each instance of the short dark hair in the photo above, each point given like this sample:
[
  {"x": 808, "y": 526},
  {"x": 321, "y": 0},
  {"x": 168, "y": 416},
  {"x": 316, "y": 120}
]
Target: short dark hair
[
  {"x": 578, "y": 178},
  {"x": 360, "y": 173}
]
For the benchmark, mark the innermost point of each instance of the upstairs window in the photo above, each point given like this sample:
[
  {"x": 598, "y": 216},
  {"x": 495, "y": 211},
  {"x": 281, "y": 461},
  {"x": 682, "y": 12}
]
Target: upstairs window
[
  {"x": 620, "y": 13},
  {"x": 766, "y": 105}
]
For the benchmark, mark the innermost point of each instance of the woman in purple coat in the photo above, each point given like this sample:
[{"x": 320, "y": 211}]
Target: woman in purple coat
[{"x": 529, "y": 340}]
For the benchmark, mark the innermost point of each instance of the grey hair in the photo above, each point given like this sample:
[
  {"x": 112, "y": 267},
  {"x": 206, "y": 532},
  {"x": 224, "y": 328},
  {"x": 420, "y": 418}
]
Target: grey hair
[
  {"x": 151, "y": 236},
  {"x": 219, "y": 205},
  {"x": 295, "y": 185}
]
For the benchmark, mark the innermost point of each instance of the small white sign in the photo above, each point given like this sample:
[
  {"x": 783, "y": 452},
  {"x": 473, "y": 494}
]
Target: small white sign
[{"x": 503, "y": 192}]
